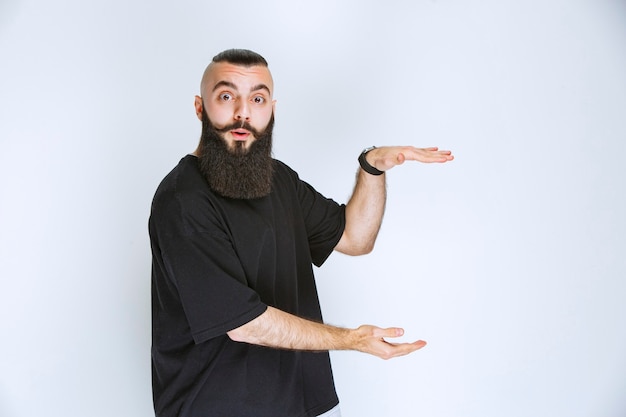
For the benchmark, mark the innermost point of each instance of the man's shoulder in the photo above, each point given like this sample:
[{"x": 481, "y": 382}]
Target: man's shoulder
[
  {"x": 280, "y": 165},
  {"x": 183, "y": 182},
  {"x": 283, "y": 170},
  {"x": 183, "y": 176}
]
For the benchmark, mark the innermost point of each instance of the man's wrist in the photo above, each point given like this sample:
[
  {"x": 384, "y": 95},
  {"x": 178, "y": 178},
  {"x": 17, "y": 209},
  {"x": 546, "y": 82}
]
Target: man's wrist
[{"x": 366, "y": 165}]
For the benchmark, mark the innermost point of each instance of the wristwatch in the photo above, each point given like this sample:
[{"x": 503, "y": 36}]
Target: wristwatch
[{"x": 366, "y": 166}]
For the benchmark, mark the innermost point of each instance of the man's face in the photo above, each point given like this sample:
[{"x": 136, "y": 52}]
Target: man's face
[{"x": 234, "y": 96}]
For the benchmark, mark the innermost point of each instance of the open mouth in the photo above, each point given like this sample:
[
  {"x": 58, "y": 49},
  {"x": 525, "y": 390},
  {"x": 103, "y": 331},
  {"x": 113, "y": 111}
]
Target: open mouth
[{"x": 240, "y": 134}]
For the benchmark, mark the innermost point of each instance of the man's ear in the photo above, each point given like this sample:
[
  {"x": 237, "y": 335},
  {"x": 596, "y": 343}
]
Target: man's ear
[{"x": 198, "y": 105}]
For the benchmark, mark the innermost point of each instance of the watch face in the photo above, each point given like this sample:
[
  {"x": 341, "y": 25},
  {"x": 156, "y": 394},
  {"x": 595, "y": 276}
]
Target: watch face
[{"x": 366, "y": 150}]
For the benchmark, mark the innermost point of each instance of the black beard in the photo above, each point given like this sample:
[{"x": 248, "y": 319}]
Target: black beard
[{"x": 238, "y": 173}]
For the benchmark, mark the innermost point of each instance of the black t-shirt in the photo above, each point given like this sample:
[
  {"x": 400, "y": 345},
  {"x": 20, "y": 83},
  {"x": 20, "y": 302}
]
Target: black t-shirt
[{"x": 217, "y": 264}]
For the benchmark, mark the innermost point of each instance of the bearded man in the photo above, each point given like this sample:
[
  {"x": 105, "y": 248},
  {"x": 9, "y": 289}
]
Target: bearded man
[{"x": 237, "y": 326}]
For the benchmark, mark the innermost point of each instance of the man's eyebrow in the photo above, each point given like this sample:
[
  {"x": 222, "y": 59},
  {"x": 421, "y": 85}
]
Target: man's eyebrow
[
  {"x": 261, "y": 87},
  {"x": 234, "y": 87},
  {"x": 224, "y": 84}
]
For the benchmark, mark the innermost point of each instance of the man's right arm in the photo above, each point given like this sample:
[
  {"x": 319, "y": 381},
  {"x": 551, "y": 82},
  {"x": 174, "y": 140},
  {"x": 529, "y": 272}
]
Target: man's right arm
[{"x": 278, "y": 329}]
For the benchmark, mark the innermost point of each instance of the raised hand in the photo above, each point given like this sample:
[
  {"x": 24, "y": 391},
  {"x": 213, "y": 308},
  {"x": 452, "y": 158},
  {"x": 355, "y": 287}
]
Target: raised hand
[{"x": 386, "y": 157}]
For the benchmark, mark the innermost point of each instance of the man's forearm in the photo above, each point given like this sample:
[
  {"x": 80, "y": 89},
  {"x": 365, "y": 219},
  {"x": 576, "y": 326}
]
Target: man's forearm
[
  {"x": 364, "y": 214},
  {"x": 364, "y": 211},
  {"x": 277, "y": 329}
]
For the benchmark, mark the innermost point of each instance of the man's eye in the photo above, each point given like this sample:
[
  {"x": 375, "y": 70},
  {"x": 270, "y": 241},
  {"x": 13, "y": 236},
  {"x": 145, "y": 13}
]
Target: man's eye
[
  {"x": 225, "y": 97},
  {"x": 259, "y": 100}
]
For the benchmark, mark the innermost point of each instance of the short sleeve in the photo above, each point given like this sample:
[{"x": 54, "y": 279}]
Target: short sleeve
[{"x": 325, "y": 221}]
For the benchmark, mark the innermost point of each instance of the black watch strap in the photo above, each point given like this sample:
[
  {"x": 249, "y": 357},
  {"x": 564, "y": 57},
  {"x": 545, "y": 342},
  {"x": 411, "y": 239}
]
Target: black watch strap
[{"x": 366, "y": 166}]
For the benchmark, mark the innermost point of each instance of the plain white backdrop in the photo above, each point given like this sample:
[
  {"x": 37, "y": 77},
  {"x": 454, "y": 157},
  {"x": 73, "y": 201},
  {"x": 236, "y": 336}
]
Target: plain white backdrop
[{"x": 510, "y": 261}]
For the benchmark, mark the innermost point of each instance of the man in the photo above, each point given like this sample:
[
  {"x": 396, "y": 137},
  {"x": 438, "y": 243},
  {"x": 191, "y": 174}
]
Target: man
[{"x": 237, "y": 326}]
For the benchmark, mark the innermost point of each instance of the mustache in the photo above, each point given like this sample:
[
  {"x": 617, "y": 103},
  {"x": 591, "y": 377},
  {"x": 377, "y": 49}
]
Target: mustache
[{"x": 238, "y": 125}]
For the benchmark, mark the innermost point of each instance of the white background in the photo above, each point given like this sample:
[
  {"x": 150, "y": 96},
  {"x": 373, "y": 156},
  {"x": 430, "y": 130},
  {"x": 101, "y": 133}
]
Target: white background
[{"x": 510, "y": 261}]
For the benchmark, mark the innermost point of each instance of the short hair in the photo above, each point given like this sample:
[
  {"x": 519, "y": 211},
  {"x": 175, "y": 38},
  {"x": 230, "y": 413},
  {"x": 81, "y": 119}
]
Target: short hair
[{"x": 243, "y": 57}]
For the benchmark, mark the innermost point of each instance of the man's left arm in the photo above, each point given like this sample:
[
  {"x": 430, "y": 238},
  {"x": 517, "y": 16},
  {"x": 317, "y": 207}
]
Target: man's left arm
[{"x": 365, "y": 209}]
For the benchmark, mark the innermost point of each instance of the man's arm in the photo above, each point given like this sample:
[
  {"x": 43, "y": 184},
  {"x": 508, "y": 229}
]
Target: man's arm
[
  {"x": 364, "y": 211},
  {"x": 278, "y": 329}
]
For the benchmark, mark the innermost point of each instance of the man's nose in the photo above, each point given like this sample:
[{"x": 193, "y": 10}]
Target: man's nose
[{"x": 242, "y": 112}]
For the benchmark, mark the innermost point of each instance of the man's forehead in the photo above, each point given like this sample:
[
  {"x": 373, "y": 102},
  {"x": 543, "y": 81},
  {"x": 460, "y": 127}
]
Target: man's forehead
[{"x": 238, "y": 75}]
